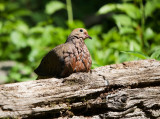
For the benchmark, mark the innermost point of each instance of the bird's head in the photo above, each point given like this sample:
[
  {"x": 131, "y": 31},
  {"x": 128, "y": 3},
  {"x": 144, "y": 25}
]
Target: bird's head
[{"x": 80, "y": 33}]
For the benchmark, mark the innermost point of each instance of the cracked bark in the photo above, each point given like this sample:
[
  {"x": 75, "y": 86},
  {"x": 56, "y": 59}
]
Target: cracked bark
[{"x": 128, "y": 90}]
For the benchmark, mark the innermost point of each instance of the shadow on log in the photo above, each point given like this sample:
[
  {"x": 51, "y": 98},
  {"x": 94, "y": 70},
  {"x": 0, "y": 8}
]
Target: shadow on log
[{"x": 130, "y": 90}]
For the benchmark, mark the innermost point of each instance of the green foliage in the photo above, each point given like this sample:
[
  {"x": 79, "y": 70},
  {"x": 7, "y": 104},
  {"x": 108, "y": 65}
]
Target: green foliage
[
  {"x": 29, "y": 29},
  {"x": 20, "y": 73},
  {"x": 136, "y": 54},
  {"x": 54, "y": 6},
  {"x": 130, "y": 9},
  {"x": 156, "y": 54}
]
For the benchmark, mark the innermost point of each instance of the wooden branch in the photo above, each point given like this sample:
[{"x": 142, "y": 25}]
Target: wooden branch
[{"x": 127, "y": 90}]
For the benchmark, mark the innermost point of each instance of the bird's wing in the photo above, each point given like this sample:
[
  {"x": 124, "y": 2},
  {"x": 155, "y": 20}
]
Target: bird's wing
[{"x": 53, "y": 63}]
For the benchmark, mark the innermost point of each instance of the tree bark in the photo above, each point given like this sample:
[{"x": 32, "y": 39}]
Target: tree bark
[{"x": 128, "y": 90}]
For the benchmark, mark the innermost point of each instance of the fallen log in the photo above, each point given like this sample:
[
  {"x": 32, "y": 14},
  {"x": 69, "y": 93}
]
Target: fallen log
[{"x": 127, "y": 90}]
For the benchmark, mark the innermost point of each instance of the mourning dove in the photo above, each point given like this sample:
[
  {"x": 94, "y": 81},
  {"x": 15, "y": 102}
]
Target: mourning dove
[{"x": 65, "y": 59}]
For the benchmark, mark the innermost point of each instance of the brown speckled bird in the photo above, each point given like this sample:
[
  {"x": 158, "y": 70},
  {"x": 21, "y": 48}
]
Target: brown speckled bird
[{"x": 65, "y": 59}]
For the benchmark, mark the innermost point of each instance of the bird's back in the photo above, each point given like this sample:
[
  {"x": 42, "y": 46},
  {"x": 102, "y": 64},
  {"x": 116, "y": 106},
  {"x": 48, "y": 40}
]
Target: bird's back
[{"x": 53, "y": 63}]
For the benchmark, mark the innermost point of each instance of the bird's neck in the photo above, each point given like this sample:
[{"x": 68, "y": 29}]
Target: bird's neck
[{"x": 74, "y": 40}]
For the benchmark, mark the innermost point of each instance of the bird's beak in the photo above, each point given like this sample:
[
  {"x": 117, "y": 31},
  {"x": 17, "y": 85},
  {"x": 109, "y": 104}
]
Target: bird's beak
[{"x": 87, "y": 36}]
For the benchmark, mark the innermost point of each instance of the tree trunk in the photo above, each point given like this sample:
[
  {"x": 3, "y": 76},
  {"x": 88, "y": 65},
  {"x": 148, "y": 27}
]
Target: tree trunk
[{"x": 128, "y": 90}]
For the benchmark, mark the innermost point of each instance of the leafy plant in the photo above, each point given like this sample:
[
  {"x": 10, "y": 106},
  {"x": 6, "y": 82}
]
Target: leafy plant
[
  {"x": 127, "y": 30},
  {"x": 54, "y": 6},
  {"x": 20, "y": 72}
]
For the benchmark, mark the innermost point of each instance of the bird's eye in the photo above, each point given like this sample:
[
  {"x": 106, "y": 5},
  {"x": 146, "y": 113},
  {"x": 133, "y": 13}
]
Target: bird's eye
[{"x": 81, "y": 30}]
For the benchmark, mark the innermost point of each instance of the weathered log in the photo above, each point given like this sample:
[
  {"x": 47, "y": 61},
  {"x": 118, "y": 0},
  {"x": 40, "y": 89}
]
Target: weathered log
[{"x": 127, "y": 90}]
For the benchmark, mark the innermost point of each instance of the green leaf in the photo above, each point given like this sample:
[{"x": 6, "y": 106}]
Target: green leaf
[
  {"x": 122, "y": 20},
  {"x": 37, "y": 29},
  {"x": 126, "y": 30},
  {"x": 2, "y": 6},
  {"x": 156, "y": 54},
  {"x": 136, "y": 54},
  {"x": 22, "y": 27},
  {"x": 107, "y": 8},
  {"x": 134, "y": 46},
  {"x": 18, "y": 39},
  {"x": 75, "y": 24},
  {"x": 149, "y": 34},
  {"x": 151, "y": 6},
  {"x": 21, "y": 12},
  {"x": 95, "y": 65},
  {"x": 54, "y": 6},
  {"x": 130, "y": 9}
]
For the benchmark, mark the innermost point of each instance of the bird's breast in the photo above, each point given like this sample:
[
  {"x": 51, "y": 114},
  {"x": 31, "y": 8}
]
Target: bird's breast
[{"x": 79, "y": 60}]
